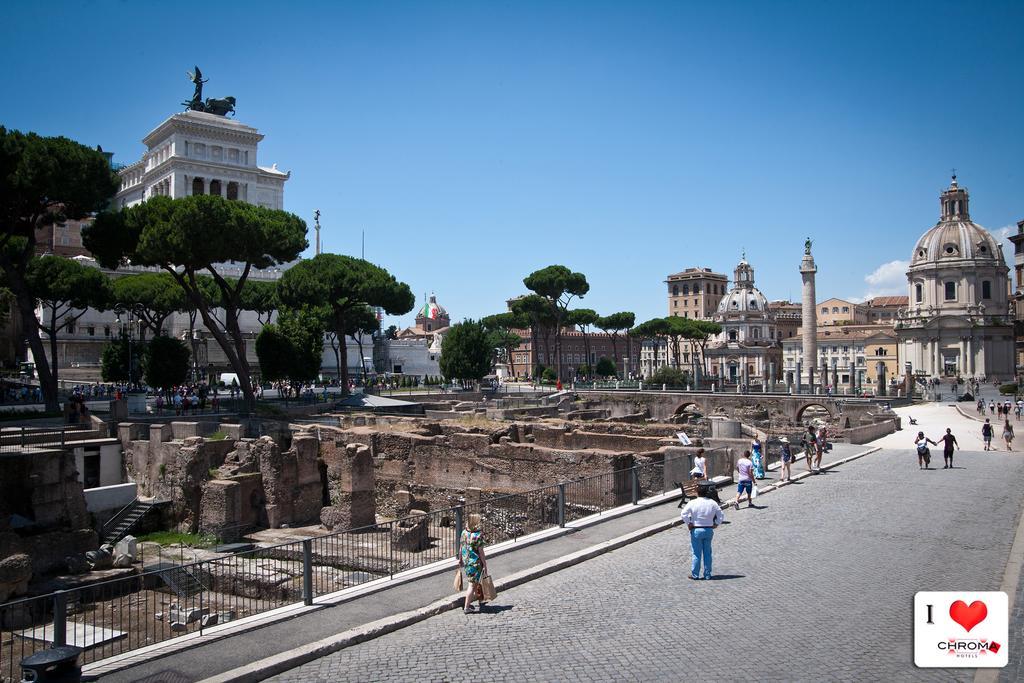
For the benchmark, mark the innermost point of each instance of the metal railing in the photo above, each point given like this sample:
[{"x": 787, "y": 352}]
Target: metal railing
[
  {"x": 16, "y": 439},
  {"x": 171, "y": 599}
]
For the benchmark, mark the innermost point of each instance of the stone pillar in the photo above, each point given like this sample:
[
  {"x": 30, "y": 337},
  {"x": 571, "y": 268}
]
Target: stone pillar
[
  {"x": 353, "y": 494},
  {"x": 796, "y": 376},
  {"x": 938, "y": 359},
  {"x": 970, "y": 357},
  {"x": 853, "y": 377},
  {"x": 810, "y": 313},
  {"x": 771, "y": 375},
  {"x": 962, "y": 365}
]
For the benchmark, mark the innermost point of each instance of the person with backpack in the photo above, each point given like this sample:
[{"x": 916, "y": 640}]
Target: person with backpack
[
  {"x": 986, "y": 434},
  {"x": 924, "y": 456}
]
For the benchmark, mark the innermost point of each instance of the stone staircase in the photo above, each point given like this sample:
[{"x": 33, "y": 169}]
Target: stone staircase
[{"x": 122, "y": 524}]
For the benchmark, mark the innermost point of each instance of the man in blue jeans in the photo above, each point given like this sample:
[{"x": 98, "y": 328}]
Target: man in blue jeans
[{"x": 702, "y": 516}]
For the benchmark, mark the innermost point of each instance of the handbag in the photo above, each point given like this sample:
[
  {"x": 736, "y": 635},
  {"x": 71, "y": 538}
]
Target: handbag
[
  {"x": 457, "y": 584},
  {"x": 487, "y": 590}
]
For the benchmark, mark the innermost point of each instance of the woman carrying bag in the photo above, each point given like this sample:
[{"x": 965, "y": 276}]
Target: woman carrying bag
[{"x": 473, "y": 563}]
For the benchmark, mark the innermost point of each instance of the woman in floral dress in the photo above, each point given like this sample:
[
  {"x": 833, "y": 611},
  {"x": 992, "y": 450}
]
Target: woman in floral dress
[
  {"x": 472, "y": 560},
  {"x": 757, "y": 457}
]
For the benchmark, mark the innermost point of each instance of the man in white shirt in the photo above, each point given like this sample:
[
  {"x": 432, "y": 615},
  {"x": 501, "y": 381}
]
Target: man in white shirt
[{"x": 702, "y": 516}]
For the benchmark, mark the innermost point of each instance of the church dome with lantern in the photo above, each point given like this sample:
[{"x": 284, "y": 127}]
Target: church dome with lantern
[
  {"x": 957, "y": 321},
  {"x": 432, "y": 316}
]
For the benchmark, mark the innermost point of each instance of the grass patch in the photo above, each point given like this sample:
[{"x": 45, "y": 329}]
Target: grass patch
[
  {"x": 217, "y": 436},
  {"x": 166, "y": 538},
  {"x": 214, "y": 473}
]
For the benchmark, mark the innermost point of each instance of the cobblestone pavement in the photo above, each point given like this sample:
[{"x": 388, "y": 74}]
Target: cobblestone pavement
[{"x": 815, "y": 586}]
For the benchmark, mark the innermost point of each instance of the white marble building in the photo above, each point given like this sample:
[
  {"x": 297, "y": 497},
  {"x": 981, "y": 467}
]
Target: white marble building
[
  {"x": 199, "y": 153},
  {"x": 958, "y": 319},
  {"x": 189, "y": 153}
]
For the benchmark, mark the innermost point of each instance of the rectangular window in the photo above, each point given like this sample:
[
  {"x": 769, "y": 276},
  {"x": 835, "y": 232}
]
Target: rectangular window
[
  {"x": 71, "y": 328},
  {"x": 986, "y": 289},
  {"x": 846, "y": 309},
  {"x": 91, "y": 331},
  {"x": 824, "y": 309},
  {"x": 950, "y": 291},
  {"x": 918, "y": 293},
  {"x": 106, "y": 331}
]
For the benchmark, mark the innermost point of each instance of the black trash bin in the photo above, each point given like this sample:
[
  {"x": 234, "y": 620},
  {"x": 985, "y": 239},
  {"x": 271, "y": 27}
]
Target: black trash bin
[{"x": 55, "y": 665}]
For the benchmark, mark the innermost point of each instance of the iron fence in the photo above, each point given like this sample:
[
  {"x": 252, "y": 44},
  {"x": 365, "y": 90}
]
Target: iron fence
[
  {"x": 171, "y": 599},
  {"x": 16, "y": 439}
]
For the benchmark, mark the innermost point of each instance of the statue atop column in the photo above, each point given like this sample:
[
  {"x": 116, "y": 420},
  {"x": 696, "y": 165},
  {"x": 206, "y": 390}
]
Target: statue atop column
[
  {"x": 211, "y": 105},
  {"x": 807, "y": 247}
]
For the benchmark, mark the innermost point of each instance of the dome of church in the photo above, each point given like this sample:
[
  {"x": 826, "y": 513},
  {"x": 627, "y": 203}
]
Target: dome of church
[
  {"x": 432, "y": 310},
  {"x": 744, "y": 297},
  {"x": 955, "y": 237},
  {"x": 743, "y": 300}
]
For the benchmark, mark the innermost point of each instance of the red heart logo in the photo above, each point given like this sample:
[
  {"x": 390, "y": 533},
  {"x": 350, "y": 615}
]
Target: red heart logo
[{"x": 968, "y": 616}]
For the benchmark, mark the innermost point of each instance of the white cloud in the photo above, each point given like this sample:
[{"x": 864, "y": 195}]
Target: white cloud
[{"x": 887, "y": 279}]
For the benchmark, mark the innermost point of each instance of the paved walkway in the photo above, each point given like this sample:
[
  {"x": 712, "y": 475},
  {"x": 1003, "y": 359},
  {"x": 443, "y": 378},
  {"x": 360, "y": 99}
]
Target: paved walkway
[
  {"x": 222, "y": 655},
  {"x": 817, "y": 585}
]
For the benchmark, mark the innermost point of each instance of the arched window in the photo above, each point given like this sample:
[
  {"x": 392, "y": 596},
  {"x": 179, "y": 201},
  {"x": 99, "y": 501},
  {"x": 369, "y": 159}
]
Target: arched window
[
  {"x": 686, "y": 290},
  {"x": 197, "y": 186},
  {"x": 215, "y": 187},
  {"x": 675, "y": 290},
  {"x": 696, "y": 289},
  {"x": 732, "y": 335},
  {"x": 232, "y": 191},
  {"x": 755, "y": 332},
  {"x": 753, "y": 304}
]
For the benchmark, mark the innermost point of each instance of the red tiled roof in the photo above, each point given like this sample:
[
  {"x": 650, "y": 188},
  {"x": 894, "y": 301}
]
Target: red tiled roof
[{"x": 888, "y": 301}]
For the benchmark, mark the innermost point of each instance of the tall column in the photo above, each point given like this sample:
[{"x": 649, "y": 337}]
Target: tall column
[
  {"x": 938, "y": 358},
  {"x": 970, "y": 357},
  {"x": 962, "y": 365},
  {"x": 810, "y": 313}
]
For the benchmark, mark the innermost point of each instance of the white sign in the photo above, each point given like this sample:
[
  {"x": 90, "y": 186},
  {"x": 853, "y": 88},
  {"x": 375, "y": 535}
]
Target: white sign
[
  {"x": 683, "y": 438},
  {"x": 961, "y": 629}
]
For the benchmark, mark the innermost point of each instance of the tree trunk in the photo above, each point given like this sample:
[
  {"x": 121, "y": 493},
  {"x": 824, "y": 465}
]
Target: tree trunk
[
  {"x": 339, "y": 324},
  {"x": 231, "y": 347},
  {"x": 586, "y": 346},
  {"x": 26, "y": 307},
  {"x": 558, "y": 351},
  {"x": 337, "y": 358},
  {"x": 362, "y": 358}
]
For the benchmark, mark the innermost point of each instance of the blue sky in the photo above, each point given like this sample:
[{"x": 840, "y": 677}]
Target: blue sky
[{"x": 476, "y": 142}]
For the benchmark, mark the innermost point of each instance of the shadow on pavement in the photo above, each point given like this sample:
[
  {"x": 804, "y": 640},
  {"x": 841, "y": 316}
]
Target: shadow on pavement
[
  {"x": 726, "y": 577},
  {"x": 494, "y": 609}
]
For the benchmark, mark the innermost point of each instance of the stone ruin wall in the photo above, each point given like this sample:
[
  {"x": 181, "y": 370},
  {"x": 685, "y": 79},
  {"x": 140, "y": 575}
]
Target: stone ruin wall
[{"x": 42, "y": 489}]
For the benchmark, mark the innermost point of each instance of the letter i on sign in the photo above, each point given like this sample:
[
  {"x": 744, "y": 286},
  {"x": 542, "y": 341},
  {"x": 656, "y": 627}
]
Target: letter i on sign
[{"x": 930, "y": 615}]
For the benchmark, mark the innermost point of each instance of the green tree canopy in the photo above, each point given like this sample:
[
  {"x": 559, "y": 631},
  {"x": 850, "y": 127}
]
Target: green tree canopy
[
  {"x": 558, "y": 286},
  {"x": 260, "y": 296},
  {"x": 347, "y": 285},
  {"x": 534, "y": 309},
  {"x": 43, "y": 180},
  {"x": 501, "y": 327},
  {"x": 605, "y": 368},
  {"x": 152, "y": 297},
  {"x": 195, "y": 236},
  {"x": 117, "y": 356},
  {"x": 467, "y": 352},
  {"x": 292, "y": 349},
  {"x": 65, "y": 289},
  {"x": 612, "y": 325},
  {"x": 165, "y": 362}
]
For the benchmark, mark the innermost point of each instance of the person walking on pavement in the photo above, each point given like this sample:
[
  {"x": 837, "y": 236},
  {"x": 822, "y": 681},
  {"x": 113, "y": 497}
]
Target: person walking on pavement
[
  {"x": 702, "y": 516},
  {"x": 787, "y": 460},
  {"x": 700, "y": 462},
  {"x": 472, "y": 560},
  {"x": 991, "y": 407},
  {"x": 1008, "y": 434},
  {"x": 745, "y": 480},
  {"x": 820, "y": 443},
  {"x": 986, "y": 434},
  {"x": 948, "y": 442},
  {"x": 924, "y": 456},
  {"x": 808, "y": 446},
  {"x": 757, "y": 457}
]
